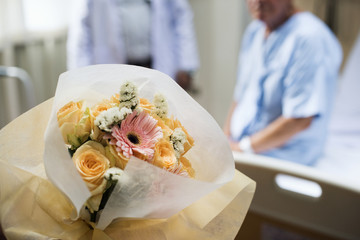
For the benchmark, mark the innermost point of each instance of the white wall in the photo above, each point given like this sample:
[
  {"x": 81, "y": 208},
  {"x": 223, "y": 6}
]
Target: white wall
[
  {"x": 219, "y": 25},
  {"x": 46, "y": 15}
]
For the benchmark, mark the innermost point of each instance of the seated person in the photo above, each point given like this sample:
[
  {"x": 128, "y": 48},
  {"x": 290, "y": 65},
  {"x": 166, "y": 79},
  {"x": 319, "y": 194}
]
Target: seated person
[{"x": 288, "y": 67}]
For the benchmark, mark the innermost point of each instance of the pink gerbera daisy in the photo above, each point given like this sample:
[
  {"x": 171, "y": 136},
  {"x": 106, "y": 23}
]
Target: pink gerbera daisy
[{"x": 136, "y": 134}]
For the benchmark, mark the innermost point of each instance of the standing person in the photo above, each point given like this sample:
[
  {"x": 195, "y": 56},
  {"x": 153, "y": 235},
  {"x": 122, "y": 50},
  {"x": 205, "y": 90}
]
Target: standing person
[
  {"x": 288, "y": 66},
  {"x": 150, "y": 33}
]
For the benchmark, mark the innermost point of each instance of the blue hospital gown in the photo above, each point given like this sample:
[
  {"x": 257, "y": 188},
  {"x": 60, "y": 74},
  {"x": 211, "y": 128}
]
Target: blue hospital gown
[{"x": 291, "y": 73}]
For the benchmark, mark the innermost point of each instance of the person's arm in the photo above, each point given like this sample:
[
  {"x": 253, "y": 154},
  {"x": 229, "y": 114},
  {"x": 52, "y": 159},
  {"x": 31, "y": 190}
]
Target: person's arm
[{"x": 276, "y": 134}]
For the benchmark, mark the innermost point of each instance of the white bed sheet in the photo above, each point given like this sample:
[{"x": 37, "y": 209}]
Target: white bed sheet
[
  {"x": 342, "y": 153},
  {"x": 341, "y": 161}
]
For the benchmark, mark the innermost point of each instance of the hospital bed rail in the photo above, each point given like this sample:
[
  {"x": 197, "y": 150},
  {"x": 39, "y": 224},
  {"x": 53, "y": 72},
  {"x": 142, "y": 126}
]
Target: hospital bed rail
[{"x": 292, "y": 196}]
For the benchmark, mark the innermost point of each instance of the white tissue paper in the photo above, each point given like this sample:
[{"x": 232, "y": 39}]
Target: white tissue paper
[{"x": 146, "y": 191}]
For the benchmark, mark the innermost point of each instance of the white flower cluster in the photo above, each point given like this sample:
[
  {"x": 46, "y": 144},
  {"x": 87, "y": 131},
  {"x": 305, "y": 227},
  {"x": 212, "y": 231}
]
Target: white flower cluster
[
  {"x": 178, "y": 139},
  {"x": 107, "y": 119},
  {"x": 113, "y": 173},
  {"x": 161, "y": 106},
  {"x": 128, "y": 96}
]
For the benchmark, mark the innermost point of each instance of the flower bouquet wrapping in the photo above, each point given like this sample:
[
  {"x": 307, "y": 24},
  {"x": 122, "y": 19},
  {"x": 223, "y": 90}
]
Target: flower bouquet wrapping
[{"x": 130, "y": 152}]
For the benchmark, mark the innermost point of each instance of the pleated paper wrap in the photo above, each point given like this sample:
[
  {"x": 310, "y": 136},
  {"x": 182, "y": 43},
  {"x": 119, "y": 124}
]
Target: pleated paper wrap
[{"x": 212, "y": 206}]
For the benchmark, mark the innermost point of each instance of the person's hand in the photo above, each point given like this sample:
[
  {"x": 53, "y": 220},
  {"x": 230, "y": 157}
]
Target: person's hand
[
  {"x": 235, "y": 146},
  {"x": 226, "y": 130},
  {"x": 184, "y": 79}
]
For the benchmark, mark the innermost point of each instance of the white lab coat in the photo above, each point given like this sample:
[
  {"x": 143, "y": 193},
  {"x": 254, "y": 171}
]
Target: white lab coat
[{"x": 95, "y": 35}]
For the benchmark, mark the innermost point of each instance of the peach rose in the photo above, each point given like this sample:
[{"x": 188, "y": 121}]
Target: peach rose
[
  {"x": 105, "y": 105},
  {"x": 164, "y": 156},
  {"x": 96, "y": 134},
  {"x": 91, "y": 163},
  {"x": 165, "y": 129},
  {"x": 74, "y": 123},
  {"x": 100, "y": 107}
]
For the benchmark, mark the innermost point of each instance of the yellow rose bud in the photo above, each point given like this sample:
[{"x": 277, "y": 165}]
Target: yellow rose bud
[
  {"x": 75, "y": 125},
  {"x": 84, "y": 125},
  {"x": 71, "y": 112},
  {"x": 116, "y": 158},
  {"x": 96, "y": 133},
  {"x": 91, "y": 163}
]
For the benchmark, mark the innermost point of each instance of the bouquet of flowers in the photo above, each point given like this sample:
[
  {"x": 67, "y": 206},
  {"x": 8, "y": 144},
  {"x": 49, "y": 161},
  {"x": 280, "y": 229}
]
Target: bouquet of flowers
[
  {"x": 126, "y": 154},
  {"x": 103, "y": 138},
  {"x": 139, "y": 135}
]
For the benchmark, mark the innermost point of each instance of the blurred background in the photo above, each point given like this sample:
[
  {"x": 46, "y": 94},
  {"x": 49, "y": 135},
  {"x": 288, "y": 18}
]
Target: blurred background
[{"x": 33, "y": 36}]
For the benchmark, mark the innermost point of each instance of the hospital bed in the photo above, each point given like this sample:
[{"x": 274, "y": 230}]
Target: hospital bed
[{"x": 319, "y": 202}]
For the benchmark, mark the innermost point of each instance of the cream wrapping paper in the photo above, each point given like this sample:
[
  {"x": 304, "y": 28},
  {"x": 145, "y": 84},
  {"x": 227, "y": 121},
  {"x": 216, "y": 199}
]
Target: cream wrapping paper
[
  {"x": 31, "y": 207},
  {"x": 149, "y": 191}
]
